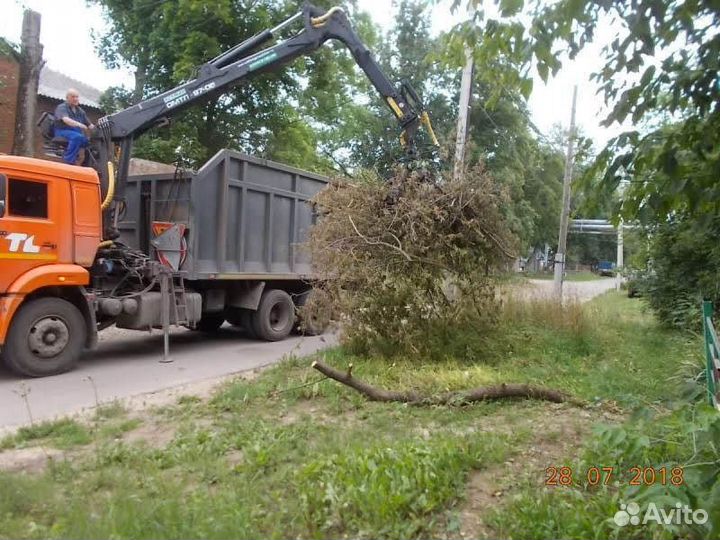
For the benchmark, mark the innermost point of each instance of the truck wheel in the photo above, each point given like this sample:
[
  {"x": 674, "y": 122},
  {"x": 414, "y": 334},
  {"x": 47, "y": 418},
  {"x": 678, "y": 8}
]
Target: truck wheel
[
  {"x": 313, "y": 314},
  {"x": 275, "y": 316},
  {"x": 210, "y": 322},
  {"x": 242, "y": 318},
  {"x": 46, "y": 337}
]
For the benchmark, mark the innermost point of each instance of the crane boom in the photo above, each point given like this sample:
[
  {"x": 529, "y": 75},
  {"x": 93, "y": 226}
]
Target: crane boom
[{"x": 117, "y": 131}]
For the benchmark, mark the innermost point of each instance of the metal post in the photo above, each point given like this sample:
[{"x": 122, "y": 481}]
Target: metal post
[
  {"x": 620, "y": 260},
  {"x": 710, "y": 350},
  {"x": 463, "y": 110},
  {"x": 565, "y": 212},
  {"x": 165, "y": 307}
]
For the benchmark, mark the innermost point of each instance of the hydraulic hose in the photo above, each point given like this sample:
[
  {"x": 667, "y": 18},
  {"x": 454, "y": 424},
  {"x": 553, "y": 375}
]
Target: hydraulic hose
[
  {"x": 317, "y": 22},
  {"x": 111, "y": 186}
]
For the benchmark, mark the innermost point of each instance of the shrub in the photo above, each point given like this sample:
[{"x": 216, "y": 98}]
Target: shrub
[{"x": 685, "y": 259}]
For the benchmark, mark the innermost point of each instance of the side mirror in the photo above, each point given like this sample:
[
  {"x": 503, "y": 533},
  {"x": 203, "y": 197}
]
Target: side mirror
[{"x": 3, "y": 193}]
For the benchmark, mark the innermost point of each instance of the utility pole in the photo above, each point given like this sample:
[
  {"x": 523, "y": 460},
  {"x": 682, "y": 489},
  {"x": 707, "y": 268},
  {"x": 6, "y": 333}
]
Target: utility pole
[
  {"x": 565, "y": 212},
  {"x": 30, "y": 65},
  {"x": 463, "y": 110}
]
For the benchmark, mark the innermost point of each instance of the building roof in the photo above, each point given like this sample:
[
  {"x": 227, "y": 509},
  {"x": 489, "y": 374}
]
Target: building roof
[
  {"x": 54, "y": 84},
  {"x": 8, "y": 48}
]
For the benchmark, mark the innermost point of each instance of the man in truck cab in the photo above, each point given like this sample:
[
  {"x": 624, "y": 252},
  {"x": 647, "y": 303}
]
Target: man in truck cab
[{"x": 72, "y": 123}]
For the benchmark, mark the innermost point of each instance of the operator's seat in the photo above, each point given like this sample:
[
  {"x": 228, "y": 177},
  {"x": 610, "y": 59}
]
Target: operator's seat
[{"x": 52, "y": 145}]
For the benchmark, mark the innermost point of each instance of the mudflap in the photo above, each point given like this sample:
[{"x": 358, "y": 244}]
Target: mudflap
[{"x": 88, "y": 309}]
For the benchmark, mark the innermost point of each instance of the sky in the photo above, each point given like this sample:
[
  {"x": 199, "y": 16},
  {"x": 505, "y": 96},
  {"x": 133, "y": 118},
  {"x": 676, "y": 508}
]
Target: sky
[{"x": 67, "y": 28}]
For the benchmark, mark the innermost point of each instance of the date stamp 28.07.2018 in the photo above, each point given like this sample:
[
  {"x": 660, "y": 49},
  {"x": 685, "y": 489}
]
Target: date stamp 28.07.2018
[{"x": 607, "y": 475}]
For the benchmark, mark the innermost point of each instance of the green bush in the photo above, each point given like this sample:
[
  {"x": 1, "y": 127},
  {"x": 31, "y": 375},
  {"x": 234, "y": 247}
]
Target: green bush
[{"x": 685, "y": 263}]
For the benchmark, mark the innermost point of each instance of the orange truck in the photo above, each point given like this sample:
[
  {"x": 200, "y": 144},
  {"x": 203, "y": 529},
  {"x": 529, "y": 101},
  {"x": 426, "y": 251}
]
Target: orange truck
[
  {"x": 50, "y": 230},
  {"x": 84, "y": 248}
]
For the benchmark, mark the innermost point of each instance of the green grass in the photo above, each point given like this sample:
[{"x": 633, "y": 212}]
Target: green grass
[
  {"x": 583, "y": 275},
  {"x": 292, "y": 455},
  {"x": 110, "y": 410},
  {"x": 63, "y": 433}
]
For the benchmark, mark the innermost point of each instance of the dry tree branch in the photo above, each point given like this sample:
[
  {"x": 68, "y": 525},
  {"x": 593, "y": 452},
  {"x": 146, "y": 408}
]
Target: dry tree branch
[
  {"x": 379, "y": 242},
  {"x": 501, "y": 391}
]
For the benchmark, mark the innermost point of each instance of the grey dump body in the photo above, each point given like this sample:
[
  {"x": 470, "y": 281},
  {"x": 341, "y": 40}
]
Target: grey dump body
[{"x": 246, "y": 218}]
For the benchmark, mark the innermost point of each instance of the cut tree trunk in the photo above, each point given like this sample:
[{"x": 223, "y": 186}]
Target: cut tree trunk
[
  {"x": 30, "y": 65},
  {"x": 501, "y": 391}
]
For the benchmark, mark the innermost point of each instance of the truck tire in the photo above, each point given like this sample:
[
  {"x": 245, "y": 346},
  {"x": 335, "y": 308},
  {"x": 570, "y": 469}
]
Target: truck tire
[
  {"x": 241, "y": 318},
  {"x": 275, "y": 316},
  {"x": 210, "y": 322},
  {"x": 46, "y": 337},
  {"x": 314, "y": 320}
]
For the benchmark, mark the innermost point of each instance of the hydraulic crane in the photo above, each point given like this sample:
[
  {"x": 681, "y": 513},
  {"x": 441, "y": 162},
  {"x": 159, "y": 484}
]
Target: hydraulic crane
[{"x": 117, "y": 131}]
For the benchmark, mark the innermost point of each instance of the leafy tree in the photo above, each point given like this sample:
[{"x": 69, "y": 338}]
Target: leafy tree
[
  {"x": 663, "y": 61},
  {"x": 166, "y": 41}
]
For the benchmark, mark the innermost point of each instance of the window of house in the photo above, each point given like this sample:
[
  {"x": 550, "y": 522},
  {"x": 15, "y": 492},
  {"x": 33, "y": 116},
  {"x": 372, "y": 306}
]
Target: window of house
[{"x": 28, "y": 199}]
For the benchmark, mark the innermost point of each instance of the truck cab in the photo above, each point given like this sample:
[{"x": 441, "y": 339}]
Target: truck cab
[{"x": 50, "y": 229}]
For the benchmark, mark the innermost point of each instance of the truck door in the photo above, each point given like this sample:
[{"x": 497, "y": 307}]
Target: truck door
[{"x": 28, "y": 229}]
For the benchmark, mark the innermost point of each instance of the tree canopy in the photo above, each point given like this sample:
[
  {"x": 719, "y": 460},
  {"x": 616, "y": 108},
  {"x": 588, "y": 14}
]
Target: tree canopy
[{"x": 662, "y": 68}]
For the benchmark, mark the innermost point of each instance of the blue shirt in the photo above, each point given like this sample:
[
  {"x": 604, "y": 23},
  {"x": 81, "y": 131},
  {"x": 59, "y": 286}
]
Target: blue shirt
[{"x": 75, "y": 113}]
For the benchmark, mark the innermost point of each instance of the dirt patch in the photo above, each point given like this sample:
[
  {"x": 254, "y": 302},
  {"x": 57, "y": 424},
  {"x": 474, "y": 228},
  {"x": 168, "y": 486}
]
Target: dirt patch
[
  {"x": 153, "y": 435},
  {"x": 302, "y": 409},
  {"x": 235, "y": 458},
  {"x": 558, "y": 432},
  {"x": 313, "y": 409},
  {"x": 29, "y": 460}
]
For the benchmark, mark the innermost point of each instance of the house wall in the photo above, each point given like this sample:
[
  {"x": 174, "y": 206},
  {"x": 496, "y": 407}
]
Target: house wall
[{"x": 9, "y": 79}]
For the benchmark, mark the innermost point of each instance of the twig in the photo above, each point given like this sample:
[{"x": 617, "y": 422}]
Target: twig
[
  {"x": 278, "y": 392},
  {"x": 95, "y": 391},
  {"x": 408, "y": 257},
  {"x": 23, "y": 393},
  {"x": 379, "y": 242}
]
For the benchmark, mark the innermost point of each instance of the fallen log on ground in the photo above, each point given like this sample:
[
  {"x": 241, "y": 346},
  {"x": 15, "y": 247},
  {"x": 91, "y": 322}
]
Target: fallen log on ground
[{"x": 463, "y": 397}]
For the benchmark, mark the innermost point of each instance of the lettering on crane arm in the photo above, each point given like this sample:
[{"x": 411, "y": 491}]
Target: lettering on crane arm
[
  {"x": 176, "y": 98},
  {"x": 204, "y": 88},
  {"x": 260, "y": 62},
  {"x": 181, "y": 96}
]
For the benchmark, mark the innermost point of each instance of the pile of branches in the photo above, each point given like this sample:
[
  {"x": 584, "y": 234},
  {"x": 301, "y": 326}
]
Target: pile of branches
[{"x": 406, "y": 257}]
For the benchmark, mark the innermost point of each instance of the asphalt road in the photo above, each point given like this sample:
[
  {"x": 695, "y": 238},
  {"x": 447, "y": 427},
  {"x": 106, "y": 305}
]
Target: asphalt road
[
  {"x": 127, "y": 364},
  {"x": 580, "y": 291}
]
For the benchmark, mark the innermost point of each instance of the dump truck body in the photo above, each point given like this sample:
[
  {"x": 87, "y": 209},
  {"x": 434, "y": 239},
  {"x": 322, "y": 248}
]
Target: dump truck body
[{"x": 246, "y": 218}]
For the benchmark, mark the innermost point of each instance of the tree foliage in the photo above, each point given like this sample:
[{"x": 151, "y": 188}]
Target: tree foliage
[
  {"x": 166, "y": 41},
  {"x": 661, "y": 73},
  {"x": 663, "y": 62}
]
